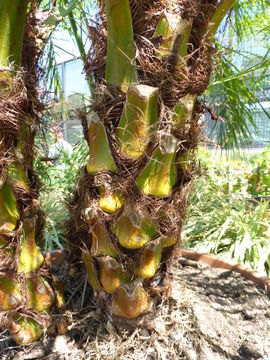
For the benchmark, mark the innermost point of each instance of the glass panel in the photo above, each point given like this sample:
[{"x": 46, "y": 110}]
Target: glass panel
[
  {"x": 75, "y": 82},
  {"x": 74, "y": 132}
]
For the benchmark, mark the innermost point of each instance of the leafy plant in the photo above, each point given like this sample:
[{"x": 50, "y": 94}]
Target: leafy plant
[
  {"x": 58, "y": 179},
  {"x": 259, "y": 179},
  {"x": 224, "y": 218}
]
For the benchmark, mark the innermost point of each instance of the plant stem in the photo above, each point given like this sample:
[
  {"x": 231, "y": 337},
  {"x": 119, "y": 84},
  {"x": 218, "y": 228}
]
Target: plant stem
[
  {"x": 80, "y": 46},
  {"x": 12, "y": 18}
]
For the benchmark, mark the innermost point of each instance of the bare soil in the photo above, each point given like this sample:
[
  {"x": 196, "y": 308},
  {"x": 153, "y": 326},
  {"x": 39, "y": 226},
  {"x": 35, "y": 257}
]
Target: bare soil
[{"x": 209, "y": 314}]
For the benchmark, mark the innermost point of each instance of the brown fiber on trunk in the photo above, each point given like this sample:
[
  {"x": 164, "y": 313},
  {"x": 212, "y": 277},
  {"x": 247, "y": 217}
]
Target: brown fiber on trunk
[
  {"x": 20, "y": 108},
  {"x": 175, "y": 79}
]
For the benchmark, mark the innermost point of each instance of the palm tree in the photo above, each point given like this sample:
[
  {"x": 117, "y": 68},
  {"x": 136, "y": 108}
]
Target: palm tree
[
  {"x": 25, "y": 292},
  {"x": 151, "y": 61}
]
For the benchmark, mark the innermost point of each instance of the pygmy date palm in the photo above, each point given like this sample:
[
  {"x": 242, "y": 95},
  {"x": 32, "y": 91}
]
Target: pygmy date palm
[
  {"x": 150, "y": 60},
  {"x": 25, "y": 293}
]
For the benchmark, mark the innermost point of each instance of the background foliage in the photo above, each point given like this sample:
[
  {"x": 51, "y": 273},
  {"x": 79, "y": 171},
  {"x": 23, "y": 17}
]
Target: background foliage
[
  {"x": 229, "y": 206},
  {"x": 58, "y": 180}
]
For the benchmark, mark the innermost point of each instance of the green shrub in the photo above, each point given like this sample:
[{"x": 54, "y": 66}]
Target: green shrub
[
  {"x": 58, "y": 180},
  {"x": 259, "y": 179},
  {"x": 224, "y": 218}
]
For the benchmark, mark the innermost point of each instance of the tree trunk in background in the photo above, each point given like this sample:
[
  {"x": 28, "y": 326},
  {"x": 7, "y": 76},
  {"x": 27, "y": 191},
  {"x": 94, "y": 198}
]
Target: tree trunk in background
[
  {"x": 150, "y": 61},
  {"x": 25, "y": 293}
]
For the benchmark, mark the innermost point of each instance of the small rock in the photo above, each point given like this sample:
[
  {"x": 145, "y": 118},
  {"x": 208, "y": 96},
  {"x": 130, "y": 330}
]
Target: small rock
[
  {"x": 150, "y": 325},
  {"x": 250, "y": 350},
  {"x": 248, "y": 315},
  {"x": 109, "y": 327},
  {"x": 151, "y": 354},
  {"x": 160, "y": 327},
  {"x": 145, "y": 333},
  {"x": 60, "y": 344}
]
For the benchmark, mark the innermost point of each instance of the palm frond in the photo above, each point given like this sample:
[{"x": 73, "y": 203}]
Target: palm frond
[{"x": 235, "y": 94}]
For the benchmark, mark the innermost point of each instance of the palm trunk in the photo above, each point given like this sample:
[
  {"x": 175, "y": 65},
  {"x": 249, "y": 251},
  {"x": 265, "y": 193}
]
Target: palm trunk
[
  {"x": 25, "y": 294},
  {"x": 128, "y": 211}
]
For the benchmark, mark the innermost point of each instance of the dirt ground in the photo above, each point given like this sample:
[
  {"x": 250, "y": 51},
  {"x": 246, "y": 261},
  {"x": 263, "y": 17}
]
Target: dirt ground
[{"x": 211, "y": 314}]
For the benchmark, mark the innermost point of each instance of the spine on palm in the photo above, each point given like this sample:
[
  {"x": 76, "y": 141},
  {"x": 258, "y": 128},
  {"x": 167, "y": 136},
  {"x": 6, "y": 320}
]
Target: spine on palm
[{"x": 143, "y": 133}]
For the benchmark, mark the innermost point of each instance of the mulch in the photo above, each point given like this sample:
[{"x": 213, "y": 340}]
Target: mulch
[{"x": 209, "y": 314}]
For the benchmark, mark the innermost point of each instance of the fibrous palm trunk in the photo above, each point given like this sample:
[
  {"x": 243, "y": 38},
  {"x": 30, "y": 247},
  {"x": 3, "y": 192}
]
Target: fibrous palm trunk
[
  {"x": 150, "y": 60},
  {"x": 25, "y": 293}
]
